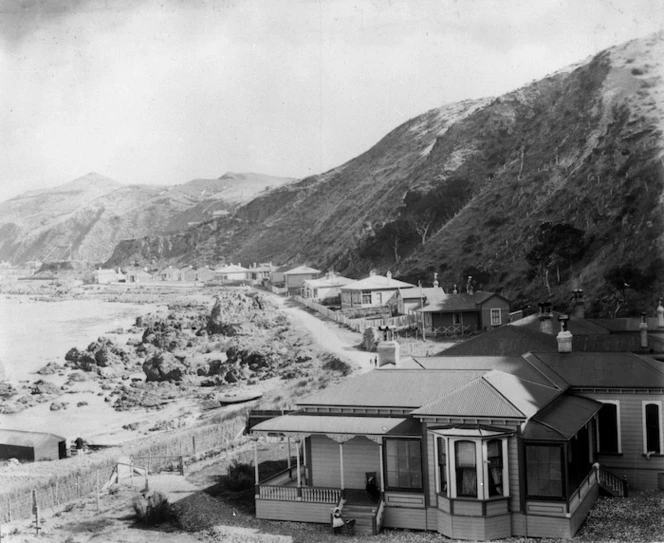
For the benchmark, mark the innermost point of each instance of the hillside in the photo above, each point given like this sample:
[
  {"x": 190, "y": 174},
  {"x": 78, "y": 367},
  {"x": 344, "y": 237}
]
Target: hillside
[
  {"x": 85, "y": 218},
  {"x": 554, "y": 183}
]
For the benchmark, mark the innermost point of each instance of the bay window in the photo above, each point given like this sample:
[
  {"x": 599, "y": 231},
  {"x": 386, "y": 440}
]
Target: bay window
[{"x": 471, "y": 467}]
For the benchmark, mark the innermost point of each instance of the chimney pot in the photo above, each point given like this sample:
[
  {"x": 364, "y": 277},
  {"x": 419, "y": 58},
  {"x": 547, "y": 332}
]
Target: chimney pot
[
  {"x": 564, "y": 337},
  {"x": 546, "y": 318},
  {"x": 435, "y": 280}
]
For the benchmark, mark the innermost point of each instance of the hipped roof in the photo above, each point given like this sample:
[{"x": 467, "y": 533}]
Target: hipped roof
[
  {"x": 332, "y": 424},
  {"x": 461, "y": 301},
  {"x": 377, "y": 282},
  {"x": 396, "y": 388},
  {"x": 302, "y": 270}
]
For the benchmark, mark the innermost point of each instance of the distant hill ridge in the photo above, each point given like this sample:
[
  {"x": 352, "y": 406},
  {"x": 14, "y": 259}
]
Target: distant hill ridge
[
  {"x": 468, "y": 187},
  {"x": 87, "y": 217}
]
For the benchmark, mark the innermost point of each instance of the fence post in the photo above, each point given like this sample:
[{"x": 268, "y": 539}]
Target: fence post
[
  {"x": 78, "y": 485},
  {"x": 97, "y": 488},
  {"x": 35, "y": 510},
  {"x": 193, "y": 441}
]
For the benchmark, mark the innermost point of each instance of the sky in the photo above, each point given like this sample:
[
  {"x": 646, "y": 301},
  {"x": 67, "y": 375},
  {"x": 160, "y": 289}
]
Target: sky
[{"x": 147, "y": 91}]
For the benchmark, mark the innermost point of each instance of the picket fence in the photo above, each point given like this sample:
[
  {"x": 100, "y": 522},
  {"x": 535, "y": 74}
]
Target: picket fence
[
  {"x": 79, "y": 482},
  {"x": 359, "y": 325}
]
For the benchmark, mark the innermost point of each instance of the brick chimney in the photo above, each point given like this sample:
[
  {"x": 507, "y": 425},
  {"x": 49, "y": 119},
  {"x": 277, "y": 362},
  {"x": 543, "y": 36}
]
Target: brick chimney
[
  {"x": 469, "y": 285},
  {"x": 660, "y": 315},
  {"x": 564, "y": 337},
  {"x": 389, "y": 277},
  {"x": 435, "y": 280},
  {"x": 643, "y": 330},
  {"x": 545, "y": 317},
  {"x": 579, "y": 303}
]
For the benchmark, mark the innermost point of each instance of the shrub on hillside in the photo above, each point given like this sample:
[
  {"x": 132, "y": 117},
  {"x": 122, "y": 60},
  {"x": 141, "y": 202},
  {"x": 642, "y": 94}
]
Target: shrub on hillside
[{"x": 332, "y": 363}]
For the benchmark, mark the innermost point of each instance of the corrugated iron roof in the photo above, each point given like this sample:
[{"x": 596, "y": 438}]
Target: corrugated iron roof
[
  {"x": 335, "y": 281},
  {"x": 516, "y": 365},
  {"x": 475, "y": 399},
  {"x": 562, "y": 419},
  {"x": 628, "y": 324},
  {"x": 614, "y": 370},
  {"x": 503, "y": 341},
  {"x": 331, "y": 424},
  {"x": 398, "y": 388},
  {"x": 527, "y": 396},
  {"x": 301, "y": 270},
  {"x": 21, "y": 438},
  {"x": 461, "y": 301},
  {"x": 575, "y": 325},
  {"x": 376, "y": 282}
]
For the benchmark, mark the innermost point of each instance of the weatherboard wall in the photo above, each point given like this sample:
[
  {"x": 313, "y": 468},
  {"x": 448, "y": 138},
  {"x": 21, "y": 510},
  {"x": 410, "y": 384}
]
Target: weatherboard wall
[
  {"x": 360, "y": 455},
  {"x": 641, "y": 472}
]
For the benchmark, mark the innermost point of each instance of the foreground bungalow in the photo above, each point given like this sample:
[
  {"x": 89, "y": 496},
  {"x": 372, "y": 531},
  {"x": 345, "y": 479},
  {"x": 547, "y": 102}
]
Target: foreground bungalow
[
  {"x": 473, "y": 447},
  {"x": 373, "y": 291},
  {"x": 31, "y": 446},
  {"x": 231, "y": 272}
]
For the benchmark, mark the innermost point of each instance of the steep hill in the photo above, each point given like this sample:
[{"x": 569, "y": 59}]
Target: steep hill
[
  {"x": 87, "y": 217},
  {"x": 554, "y": 184}
]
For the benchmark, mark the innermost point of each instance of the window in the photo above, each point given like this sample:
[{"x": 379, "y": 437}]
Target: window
[
  {"x": 471, "y": 466},
  {"x": 494, "y": 454},
  {"x": 442, "y": 464},
  {"x": 466, "y": 468},
  {"x": 456, "y": 318},
  {"x": 366, "y": 298},
  {"x": 379, "y": 298},
  {"x": 544, "y": 474},
  {"x": 652, "y": 427},
  {"x": 608, "y": 428},
  {"x": 404, "y": 464},
  {"x": 495, "y": 317}
]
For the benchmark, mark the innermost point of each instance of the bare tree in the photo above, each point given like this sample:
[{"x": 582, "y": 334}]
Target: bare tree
[{"x": 422, "y": 223}]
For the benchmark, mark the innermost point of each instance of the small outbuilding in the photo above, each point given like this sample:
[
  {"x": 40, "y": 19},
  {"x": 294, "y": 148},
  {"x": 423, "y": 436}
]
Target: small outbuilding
[{"x": 31, "y": 446}]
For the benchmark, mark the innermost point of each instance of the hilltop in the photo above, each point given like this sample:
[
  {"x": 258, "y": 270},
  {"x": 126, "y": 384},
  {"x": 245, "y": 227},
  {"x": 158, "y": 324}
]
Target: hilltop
[{"x": 465, "y": 189}]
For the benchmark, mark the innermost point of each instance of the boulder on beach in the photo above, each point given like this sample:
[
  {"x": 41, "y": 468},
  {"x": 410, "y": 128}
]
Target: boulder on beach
[
  {"x": 163, "y": 366},
  {"x": 44, "y": 388},
  {"x": 50, "y": 369},
  {"x": 216, "y": 324},
  {"x": 57, "y": 406}
]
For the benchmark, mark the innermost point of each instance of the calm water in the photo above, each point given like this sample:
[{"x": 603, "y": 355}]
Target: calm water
[{"x": 35, "y": 333}]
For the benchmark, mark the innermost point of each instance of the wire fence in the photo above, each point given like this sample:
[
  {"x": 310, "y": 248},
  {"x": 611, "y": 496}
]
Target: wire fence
[{"x": 160, "y": 451}]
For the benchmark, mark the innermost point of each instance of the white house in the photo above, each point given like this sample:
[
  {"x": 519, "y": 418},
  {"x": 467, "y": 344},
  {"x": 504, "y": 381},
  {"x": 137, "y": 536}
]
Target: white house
[{"x": 373, "y": 291}]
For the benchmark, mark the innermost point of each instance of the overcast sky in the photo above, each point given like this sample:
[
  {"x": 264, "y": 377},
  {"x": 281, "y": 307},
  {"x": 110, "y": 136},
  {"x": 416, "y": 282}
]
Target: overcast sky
[{"x": 171, "y": 90}]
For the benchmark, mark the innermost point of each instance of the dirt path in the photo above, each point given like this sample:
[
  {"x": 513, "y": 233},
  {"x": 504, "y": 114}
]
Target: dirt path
[{"x": 328, "y": 335}]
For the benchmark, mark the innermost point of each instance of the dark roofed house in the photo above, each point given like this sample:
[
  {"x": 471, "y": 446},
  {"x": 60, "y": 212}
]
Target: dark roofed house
[
  {"x": 465, "y": 312},
  {"x": 31, "y": 446}
]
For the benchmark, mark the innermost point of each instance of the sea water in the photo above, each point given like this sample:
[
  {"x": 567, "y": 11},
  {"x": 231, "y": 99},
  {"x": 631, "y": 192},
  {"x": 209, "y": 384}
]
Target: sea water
[{"x": 33, "y": 333}]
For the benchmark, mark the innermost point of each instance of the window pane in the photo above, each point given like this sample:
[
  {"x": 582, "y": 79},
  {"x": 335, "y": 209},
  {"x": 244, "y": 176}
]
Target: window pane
[
  {"x": 495, "y": 459},
  {"x": 607, "y": 422},
  {"x": 652, "y": 428},
  {"x": 544, "y": 471},
  {"x": 442, "y": 464},
  {"x": 403, "y": 463},
  {"x": 466, "y": 472}
]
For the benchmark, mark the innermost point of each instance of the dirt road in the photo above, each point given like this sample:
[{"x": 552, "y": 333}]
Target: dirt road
[{"x": 328, "y": 335}]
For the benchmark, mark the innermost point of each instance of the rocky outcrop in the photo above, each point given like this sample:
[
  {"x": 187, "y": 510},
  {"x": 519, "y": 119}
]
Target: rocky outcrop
[
  {"x": 99, "y": 354},
  {"x": 163, "y": 366}
]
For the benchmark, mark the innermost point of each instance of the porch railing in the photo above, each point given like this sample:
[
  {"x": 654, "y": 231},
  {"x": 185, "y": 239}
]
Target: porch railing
[
  {"x": 318, "y": 494},
  {"x": 278, "y": 492}
]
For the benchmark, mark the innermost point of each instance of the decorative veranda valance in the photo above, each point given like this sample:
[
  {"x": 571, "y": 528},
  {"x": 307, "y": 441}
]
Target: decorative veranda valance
[{"x": 340, "y": 428}]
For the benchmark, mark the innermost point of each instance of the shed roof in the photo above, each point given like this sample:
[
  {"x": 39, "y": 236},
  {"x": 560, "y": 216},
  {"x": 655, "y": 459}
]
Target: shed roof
[
  {"x": 376, "y": 282},
  {"x": 611, "y": 370},
  {"x": 302, "y": 270},
  {"x": 332, "y": 424},
  {"x": 562, "y": 419},
  {"x": 431, "y": 294},
  {"x": 21, "y": 438},
  {"x": 396, "y": 388},
  {"x": 334, "y": 281}
]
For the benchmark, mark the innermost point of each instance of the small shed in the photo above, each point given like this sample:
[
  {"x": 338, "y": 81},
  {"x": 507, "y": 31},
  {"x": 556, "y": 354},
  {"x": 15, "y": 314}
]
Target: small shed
[{"x": 31, "y": 446}]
